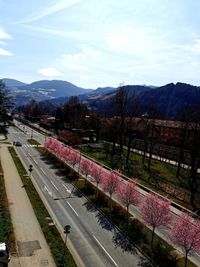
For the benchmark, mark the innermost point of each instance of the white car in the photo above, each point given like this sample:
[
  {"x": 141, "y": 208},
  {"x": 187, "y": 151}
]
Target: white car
[{"x": 4, "y": 254}]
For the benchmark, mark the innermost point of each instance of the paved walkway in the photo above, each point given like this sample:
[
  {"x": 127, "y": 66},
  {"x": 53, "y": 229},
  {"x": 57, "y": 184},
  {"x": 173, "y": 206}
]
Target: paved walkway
[{"x": 32, "y": 249}]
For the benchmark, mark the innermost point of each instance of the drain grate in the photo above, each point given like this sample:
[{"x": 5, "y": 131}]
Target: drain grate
[{"x": 44, "y": 262}]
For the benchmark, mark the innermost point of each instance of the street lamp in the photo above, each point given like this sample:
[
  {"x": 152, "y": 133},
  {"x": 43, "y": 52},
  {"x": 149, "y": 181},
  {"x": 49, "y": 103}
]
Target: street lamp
[
  {"x": 30, "y": 170},
  {"x": 66, "y": 232},
  {"x": 32, "y": 133}
]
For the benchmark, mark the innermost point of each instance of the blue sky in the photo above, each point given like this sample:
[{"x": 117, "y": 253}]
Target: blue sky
[{"x": 94, "y": 43}]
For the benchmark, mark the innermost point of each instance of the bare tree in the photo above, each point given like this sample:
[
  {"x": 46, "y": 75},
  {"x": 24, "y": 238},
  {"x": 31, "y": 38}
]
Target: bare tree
[{"x": 121, "y": 101}]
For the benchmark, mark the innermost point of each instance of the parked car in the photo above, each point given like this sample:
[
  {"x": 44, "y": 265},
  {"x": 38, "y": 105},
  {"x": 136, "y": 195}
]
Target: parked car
[{"x": 4, "y": 254}]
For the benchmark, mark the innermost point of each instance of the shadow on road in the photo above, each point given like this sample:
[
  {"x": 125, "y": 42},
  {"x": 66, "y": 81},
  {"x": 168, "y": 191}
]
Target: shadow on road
[
  {"x": 90, "y": 206},
  {"x": 104, "y": 222},
  {"x": 121, "y": 241}
]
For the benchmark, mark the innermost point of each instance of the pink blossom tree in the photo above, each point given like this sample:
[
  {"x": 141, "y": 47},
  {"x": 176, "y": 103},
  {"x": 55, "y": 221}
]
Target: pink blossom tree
[
  {"x": 74, "y": 157},
  {"x": 110, "y": 184},
  {"x": 97, "y": 174},
  {"x": 128, "y": 194},
  {"x": 155, "y": 212},
  {"x": 186, "y": 234},
  {"x": 85, "y": 167}
]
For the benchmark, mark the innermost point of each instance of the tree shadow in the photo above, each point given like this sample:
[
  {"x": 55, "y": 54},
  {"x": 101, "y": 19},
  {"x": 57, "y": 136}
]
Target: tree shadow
[
  {"x": 145, "y": 263},
  {"x": 76, "y": 192},
  {"x": 90, "y": 206},
  {"x": 121, "y": 241},
  {"x": 104, "y": 222},
  {"x": 47, "y": 160},
  {"x": 60, "y": 172}
]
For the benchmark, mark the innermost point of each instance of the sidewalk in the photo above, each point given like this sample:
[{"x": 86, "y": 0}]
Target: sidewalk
[{"x": 32, "y": 249}]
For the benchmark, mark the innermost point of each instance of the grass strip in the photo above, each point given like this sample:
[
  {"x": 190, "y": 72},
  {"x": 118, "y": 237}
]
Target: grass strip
[
  {"x": 6, "y": 227},
  {"x": 51, "y": 233}
]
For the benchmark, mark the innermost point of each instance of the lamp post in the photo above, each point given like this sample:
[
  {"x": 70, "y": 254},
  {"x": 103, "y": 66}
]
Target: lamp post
[
  {"x": 30, "y": 170},
  {"x": 32, "y": 133},
  {"x": 66, "y": 232}
]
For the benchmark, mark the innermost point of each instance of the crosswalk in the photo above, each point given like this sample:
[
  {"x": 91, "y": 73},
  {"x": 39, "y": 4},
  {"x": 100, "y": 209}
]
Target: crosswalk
[{"x": 29, "y": 145}]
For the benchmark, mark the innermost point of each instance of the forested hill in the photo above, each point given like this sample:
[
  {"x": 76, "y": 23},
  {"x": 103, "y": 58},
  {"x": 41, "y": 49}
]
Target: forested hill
[{"x": 170, "y": 99}]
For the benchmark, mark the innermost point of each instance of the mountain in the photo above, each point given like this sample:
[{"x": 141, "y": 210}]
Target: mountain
[
  {"x": 12, "y": 82},
  {"x": 171, "y": 98},
  {"x": 55, "y": 88},
  {"x": 41, "y": 90}
]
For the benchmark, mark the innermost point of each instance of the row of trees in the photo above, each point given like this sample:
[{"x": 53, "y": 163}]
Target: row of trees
[
  {"x": 129, "y": 123},
  {"x": 5, "y": 106},
  {"x": 154, "y": 210}
]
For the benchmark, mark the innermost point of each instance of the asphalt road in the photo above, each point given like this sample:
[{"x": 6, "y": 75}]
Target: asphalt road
[
  {"x": 95, "y": 240},
  {"x": 162, "y": 232}
]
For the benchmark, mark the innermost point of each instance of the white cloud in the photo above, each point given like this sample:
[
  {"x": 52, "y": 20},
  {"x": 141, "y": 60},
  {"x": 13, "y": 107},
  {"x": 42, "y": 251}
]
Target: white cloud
[
  {"x": 4, "y": 34},
  {"x": 54, "y": 8},
  {"x": 2, "y": 43},
  {"x": 80, "y": 61},
  {"x": 196, "y": 46},
  {"x": 128, "y": 40},
  {"x": 50, "y": 72},
  {"x": 4, "y": 52}
]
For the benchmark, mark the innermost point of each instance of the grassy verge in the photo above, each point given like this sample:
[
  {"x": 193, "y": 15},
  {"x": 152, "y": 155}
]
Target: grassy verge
[
  {"x": 51, "y": 233},
  {"x": 36, "y": 143},
  {"x": 6, "y": 228},
  {"x": 161, "y": 179}
]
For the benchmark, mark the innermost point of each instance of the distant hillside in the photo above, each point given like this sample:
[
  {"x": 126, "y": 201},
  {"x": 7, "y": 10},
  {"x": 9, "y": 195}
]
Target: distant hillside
[
  {"x": 171, "y": 99},
  {"x": 55, "y": 88},
  {"x": 12, "y": 82},
  {"x": 41, "y": 90}
]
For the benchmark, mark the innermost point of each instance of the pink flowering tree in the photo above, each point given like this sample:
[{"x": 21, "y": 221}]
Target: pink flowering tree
[
  {"x": 74, "y": 157},
  {"x": 110, "y": 184},
  {"x": 128, "y": 194},
  {"x": 97, "y": 175},
  {"x": 155, "y": 212},
  {"x": 186, "y": 234},
  {"x": 65, "y": 153},
  {"x": 85, "y": 167}
]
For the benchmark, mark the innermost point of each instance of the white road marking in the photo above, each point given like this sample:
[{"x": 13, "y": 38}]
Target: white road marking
[
  {"x": 69, "y": 191},
  {"x": 104, "y": 250},
  {"x": 73, "y": 209},
  {"x": 43, "y": 171},
  {"x": 54, "y": 185},
  {"x": 48, "y": 191},
  {"x": 35, "y": 161}
]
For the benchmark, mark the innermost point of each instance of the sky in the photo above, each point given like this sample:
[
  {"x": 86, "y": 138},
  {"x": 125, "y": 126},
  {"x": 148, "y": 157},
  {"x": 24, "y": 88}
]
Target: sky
[{"x": 98, "y": 43}]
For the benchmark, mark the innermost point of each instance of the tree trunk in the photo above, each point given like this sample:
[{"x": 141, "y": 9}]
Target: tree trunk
[
  {"x": 186, "y": 257},
  {"x": 192, "y": 182},
  {"x": 181, "y": 152},
  {"x": 97, "y": 191},
  {"x": 129, "y": 150},
  {"x": 127, "y": 217},
  {"x": 112, "y": 154},
  {"x": 151, "y": 146},
  {"x": 110, "y": 204},
  {"x": 144, "y": 152},
  {"x": 153, "y": 232}
]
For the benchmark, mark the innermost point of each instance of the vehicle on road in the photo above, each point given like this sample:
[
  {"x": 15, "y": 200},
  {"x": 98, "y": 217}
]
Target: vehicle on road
[
  {"x": 17, "y": 143},
  {"x": 4, "y": 255}
]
